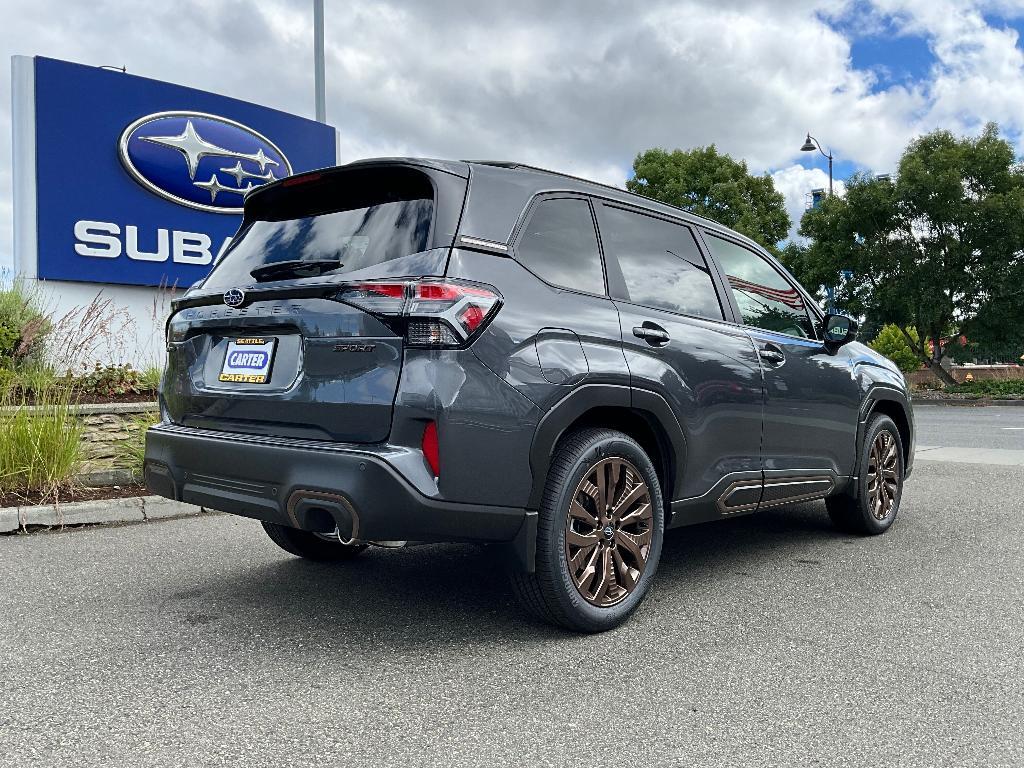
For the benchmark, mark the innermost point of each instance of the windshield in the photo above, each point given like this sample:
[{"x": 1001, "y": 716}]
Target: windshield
[{"x": 281, "y": 243}]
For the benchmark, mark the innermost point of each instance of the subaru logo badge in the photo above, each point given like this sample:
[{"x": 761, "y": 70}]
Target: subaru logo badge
[
  {"x": 199, "y": 160},
  {"x": 234, "y": 297}
]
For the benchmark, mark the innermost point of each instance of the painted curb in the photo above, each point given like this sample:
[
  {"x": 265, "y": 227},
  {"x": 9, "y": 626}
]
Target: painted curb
[{"x": 136, "y": 509}]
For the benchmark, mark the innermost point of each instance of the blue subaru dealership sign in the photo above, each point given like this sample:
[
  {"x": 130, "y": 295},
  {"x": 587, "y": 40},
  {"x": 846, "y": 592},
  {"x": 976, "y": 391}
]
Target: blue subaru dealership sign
[{"x": 141, "y": 182}]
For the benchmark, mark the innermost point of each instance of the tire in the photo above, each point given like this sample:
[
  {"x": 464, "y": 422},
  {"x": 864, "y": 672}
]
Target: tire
[
  {"x": 872, "y": 512},
  {"x": 564, "y": 595},
  {"x": 309, "y": 545}
]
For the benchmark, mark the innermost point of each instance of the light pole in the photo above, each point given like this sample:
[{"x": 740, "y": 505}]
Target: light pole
[
  {"x": 318, "y": 60},
  {"x": 812, "y": 144}
]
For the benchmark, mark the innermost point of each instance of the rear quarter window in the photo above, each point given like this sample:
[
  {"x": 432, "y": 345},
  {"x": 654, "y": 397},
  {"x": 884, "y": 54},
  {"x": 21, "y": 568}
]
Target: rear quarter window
[{"x": 558, "y": 243}]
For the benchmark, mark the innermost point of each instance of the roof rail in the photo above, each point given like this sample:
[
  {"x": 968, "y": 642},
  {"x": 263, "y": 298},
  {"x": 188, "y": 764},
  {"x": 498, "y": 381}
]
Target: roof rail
[{"x": 513, "y": 166}]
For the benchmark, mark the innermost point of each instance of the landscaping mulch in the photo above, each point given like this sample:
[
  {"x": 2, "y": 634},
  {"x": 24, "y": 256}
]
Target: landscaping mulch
[{"x": 71, "y": 493}]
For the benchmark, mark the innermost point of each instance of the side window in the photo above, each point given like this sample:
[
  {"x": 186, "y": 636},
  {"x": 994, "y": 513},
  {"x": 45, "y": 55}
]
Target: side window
[
  {"x": 559, "y": 245},
  {"x": 765, "y": 298},
  {"x": 660, "y": 262}
]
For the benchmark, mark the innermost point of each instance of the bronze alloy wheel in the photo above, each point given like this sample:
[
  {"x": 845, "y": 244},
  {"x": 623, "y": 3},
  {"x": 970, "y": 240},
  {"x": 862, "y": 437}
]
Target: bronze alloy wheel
[
  {"x": 608, "y": 532},
  {"x": 883, "y": 471}
]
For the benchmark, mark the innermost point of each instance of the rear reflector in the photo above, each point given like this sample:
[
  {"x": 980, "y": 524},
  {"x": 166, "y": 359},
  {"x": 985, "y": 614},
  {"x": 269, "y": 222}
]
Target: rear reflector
[
  {"x": 436, "y": 313},
  {"x": 430, "y": 449}
]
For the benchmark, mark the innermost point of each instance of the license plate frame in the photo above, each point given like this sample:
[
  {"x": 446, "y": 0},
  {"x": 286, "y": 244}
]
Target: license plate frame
[{"x": 248, "y": 360}]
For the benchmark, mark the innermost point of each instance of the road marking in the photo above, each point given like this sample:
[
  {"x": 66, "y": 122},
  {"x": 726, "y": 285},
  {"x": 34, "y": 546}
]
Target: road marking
[
  {"x": 1013, "y": 427},
  {"x": 1000, "y": 456}
]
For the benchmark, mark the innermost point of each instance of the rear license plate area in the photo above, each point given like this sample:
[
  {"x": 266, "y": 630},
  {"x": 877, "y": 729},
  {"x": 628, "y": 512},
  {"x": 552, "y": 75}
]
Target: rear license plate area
[{"x": 248, "y": 361}]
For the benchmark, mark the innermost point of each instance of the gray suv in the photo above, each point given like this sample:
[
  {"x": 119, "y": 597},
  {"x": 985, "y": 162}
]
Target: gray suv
[{"x": 408, "y": 350}]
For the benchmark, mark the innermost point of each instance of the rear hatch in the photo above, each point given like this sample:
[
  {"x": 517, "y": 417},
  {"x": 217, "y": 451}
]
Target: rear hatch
[{"x": 272, "y": 343}]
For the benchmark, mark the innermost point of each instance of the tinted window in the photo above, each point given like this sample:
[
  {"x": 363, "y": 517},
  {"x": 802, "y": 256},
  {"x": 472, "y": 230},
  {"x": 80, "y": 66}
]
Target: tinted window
[
  {"x": 559, "y": 244},
  {"x": 355, "y": 220},
  {"x": 765, "y": 298},
  {"x": 660, "y": 262}
]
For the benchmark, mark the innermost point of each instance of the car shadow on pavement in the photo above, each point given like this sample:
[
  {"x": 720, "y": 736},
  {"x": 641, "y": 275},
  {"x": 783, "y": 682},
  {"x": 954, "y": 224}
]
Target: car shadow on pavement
[{"x": 441, "y": 594}]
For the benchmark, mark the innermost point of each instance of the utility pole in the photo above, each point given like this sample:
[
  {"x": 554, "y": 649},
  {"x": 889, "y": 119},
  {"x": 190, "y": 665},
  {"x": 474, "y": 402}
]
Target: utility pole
[{"x": 318, "y": 60}]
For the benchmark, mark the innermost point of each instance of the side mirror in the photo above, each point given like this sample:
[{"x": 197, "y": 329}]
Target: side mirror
[{"x": 838, "y": 330}]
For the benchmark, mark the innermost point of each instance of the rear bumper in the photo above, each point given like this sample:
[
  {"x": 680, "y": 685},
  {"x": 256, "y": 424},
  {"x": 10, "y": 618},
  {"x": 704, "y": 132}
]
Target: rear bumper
[{"x": 315, "y": 485}]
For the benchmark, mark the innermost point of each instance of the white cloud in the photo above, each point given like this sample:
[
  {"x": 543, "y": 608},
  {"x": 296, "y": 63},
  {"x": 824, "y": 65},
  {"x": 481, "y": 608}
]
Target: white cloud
[
  {"x": 576, "y": 87},
  {"x": 795, "y": 183}
]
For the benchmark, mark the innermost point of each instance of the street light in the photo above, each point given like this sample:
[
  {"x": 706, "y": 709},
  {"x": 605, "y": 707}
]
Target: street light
[{"x": 812, "y": 144}]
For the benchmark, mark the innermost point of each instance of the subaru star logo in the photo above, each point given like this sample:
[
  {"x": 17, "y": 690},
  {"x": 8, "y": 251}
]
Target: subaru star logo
[
  {"x": 202, "y": 161},
  {"x": 234, "y": 297}
]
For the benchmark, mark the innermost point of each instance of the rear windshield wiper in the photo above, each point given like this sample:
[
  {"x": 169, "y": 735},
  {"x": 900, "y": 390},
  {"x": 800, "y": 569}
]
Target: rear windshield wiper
[{"x": 295, "y": 268}]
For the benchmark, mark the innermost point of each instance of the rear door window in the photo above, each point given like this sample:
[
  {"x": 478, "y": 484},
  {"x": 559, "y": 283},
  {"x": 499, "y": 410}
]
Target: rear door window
[
  {"x": 765, "y": 298},
  {"x": 558, "y": 243},
  {"x": 661, "y": 262}
]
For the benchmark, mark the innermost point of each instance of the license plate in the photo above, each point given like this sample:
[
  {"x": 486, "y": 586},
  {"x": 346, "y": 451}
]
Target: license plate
[{"x": 248, "y": 361}]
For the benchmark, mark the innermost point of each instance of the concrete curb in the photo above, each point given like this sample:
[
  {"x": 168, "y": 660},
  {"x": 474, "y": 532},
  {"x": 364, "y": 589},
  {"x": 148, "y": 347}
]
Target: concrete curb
[
  {"x": 105, "y": 478},
  {"x": 135, "y": 509},
  {"x": 966, "y": 403}
]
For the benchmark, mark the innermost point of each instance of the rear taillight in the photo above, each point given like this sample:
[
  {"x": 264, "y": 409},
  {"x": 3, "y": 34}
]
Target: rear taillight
[{"x": 430, "y": 313}]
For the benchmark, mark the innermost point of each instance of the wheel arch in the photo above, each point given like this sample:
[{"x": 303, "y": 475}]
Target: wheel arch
[
  {"x": 643, "y": 416},
  {"x": 896, "y": 406}
]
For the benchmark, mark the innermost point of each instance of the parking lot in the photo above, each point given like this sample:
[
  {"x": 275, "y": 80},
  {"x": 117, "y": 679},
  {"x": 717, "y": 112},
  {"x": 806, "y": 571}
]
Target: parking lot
[{"x": 768, "y": 640}]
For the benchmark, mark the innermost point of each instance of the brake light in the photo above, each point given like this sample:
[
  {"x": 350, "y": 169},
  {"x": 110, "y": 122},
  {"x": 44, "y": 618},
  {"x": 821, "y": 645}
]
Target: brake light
[
  {"x": 436, "y": 292},
  {"x": 378, "y": 298},
  {"x": 302, "y": 178},
  {"x": 430, "y": 449},
  {"x": 430, "y": 312}
]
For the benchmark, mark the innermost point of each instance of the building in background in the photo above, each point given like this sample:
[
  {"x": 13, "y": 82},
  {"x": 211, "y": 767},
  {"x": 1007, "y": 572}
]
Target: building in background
[
  {"x": 813, "y": 198},
  {"x": 129, "y": 188}
]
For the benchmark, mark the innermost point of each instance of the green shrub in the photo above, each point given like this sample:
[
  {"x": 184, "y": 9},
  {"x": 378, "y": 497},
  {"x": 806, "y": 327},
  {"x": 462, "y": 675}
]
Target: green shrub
[
  {"x": 131, "y": 451},
  {"x": 8, "y": 382},
  {"x": 24, "y": 326},
  {"x": 150, "y": 378},
  {"x": 40, "y": 445},
  {"x": 891, "y": 343},
  {"x": 994, "y": 388},
  {"x": 110, "y": 380}
]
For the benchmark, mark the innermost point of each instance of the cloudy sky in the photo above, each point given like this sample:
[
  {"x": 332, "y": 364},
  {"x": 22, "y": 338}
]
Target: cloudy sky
[{"x": 575, "y": 86}]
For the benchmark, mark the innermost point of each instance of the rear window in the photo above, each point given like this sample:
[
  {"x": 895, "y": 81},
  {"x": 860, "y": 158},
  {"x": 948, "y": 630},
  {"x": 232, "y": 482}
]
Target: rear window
[{"x": 331, "y": 225}]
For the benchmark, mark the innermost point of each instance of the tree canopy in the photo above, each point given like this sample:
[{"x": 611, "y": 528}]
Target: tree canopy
[
  {"x": 939, "y": 249},
  {"x": 715, "y": 186}
]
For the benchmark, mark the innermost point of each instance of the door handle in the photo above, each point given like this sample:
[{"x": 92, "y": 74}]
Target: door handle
[
  {"x": 652, "y": 333},
  {"x": 772, "y": 354}
]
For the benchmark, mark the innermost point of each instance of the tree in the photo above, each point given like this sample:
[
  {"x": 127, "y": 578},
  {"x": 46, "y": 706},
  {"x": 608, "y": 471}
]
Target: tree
[
  {"x": 715, "y": 186},
  {"x": 996, "y": 332},
  {"x": 892, "y": 343},
  {"x": 931, "y": 249}
]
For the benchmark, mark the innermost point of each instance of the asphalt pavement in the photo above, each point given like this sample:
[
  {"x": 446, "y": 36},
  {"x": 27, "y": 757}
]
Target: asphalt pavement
[{"x": 768, "y": 640}]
